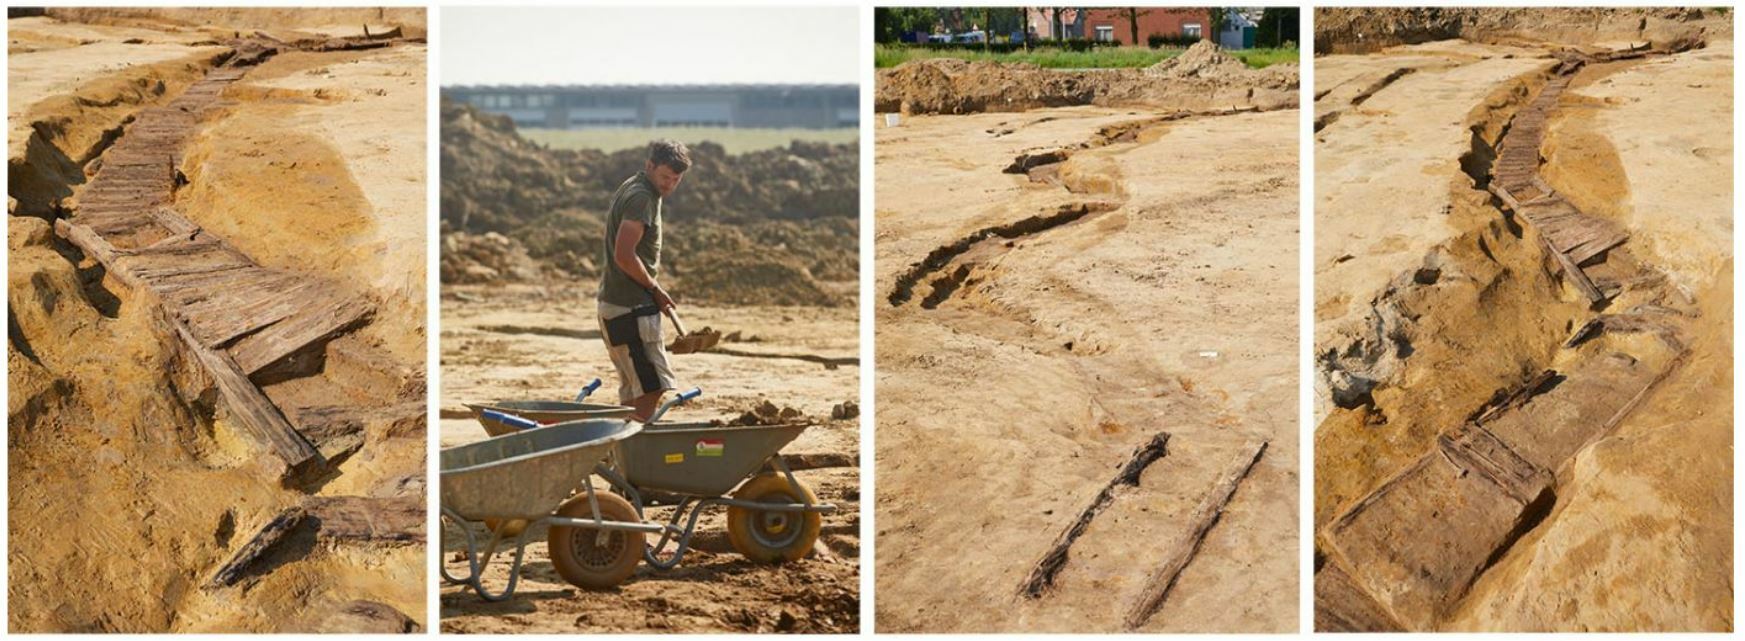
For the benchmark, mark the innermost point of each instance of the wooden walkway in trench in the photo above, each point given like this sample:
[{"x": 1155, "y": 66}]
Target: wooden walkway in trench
[
  {"x": 1403, "y": 556},
  {"x": 234, "y": 315},
  {"x": 1571, "y": 237}
]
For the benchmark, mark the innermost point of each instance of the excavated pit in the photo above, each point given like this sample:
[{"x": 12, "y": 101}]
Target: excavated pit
[
  {"x": 1427, "y": 483},
  {"x": 1042, "y": 284},
  {"x": 120, "y": 423}
]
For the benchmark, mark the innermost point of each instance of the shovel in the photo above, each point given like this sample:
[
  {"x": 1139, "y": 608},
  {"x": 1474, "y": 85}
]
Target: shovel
[{"x": 688, "y": 343}]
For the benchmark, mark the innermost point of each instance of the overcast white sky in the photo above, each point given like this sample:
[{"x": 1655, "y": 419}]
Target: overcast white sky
[{"x": 649, "y": 45}]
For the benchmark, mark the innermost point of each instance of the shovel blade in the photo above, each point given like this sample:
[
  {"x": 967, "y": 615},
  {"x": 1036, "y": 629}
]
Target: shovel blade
[{"x": 695, "y": 342}]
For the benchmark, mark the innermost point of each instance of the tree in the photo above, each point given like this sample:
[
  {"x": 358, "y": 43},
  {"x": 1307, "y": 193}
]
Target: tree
[
  {"x": 1216, "y": 19},
  {"x": 1133, "y": 14},
  {"x": 1278, "y": 25},
  {"x": 891, "y": 23}
]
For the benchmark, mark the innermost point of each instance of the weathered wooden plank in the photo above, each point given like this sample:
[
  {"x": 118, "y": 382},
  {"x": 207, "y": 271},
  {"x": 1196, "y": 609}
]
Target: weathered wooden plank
[
  {"x": 1205, "y": 516},
  {"x": 258, "y": 545},
  {"x": 1342, "y": 606},
  {"x": 1419, "y": 540},
  {"x": 93, "y": 245},
  {"x": 221, "y": 319},
  {"x": 1475, "y": 449},
  {"x": 253, "y": 411},
  {"x": 397, "y": 519},
  {"x": 319, "y": 320},
  {"x": 1577, "y": 277},
  {"x": 1042, "y": 575}
]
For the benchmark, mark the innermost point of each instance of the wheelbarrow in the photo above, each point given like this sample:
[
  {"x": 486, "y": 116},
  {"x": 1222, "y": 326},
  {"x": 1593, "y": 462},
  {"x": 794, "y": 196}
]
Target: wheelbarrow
[
  {"x": 514, "y": 482},
  {"x": 546, "y": 412},
  {"x": 771, "y": 516}
]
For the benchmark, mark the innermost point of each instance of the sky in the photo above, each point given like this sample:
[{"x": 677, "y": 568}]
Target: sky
[{"x": 649, "y": 45}]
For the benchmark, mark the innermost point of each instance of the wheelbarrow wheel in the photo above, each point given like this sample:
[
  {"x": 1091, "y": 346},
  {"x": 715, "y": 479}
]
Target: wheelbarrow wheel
[
  {"x": 577, "y": 554},
  {"x": 768, "y": 536}
]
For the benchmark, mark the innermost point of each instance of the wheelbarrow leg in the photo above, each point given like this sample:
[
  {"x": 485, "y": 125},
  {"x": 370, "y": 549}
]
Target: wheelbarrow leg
[
  {"x": 442, "y": 565},
  {"x": 514, "y": 570},
  {"x": 476, "y": 566},
  {"x": 651, "y": 555}
]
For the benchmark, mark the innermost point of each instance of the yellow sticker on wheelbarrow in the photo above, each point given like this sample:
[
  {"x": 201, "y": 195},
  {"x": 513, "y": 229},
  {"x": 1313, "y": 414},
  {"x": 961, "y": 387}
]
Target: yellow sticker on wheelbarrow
[
  {"x": 675, "y": 458},
  {"x": 711, "y": 447}
]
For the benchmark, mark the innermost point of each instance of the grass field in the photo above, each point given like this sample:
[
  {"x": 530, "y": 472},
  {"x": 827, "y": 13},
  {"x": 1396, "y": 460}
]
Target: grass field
[
  {"x": 736, "y": 141},
  {"x": 1102, "y": 58}
]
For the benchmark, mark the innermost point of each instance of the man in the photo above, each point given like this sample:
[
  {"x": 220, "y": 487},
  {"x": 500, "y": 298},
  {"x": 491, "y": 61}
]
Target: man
[{"x": 630, "y": 300}]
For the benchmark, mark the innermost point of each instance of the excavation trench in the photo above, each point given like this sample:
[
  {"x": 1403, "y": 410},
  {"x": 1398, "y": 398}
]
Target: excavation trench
[
  {"x": 1128, "y": 501},
  {"x": 235, "y": 395},
  {"x": 1480, "y": 474}
]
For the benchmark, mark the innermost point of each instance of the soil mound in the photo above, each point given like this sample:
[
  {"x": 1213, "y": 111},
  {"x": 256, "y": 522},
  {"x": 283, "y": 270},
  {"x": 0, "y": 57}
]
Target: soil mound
[
  {"x": 766, "y": 227},
  {"x": 1354, "y": 30},
  {"x": 1203, "y": 60},
  {"x": 1202, "y": 79},
  {"x": 485, "y": 258},
  {"x": 952, "y": 86}
]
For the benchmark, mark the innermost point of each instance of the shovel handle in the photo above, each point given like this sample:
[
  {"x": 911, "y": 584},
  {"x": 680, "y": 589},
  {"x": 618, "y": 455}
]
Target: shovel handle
[
  {"x": 588, "y": 390},
  {"x": 677, "y": 324},
  {"x": 511, "y": 420}
]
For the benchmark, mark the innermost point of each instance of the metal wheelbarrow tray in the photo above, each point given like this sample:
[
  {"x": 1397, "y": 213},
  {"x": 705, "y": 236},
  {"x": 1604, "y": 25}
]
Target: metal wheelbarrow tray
[
  {"x": 526, "y": 476},
  {"x": 544, "y": 413},
  {"x": 771, "y": 516}
]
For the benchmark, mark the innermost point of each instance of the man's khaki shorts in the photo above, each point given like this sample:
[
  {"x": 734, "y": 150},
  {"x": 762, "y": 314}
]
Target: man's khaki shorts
[{"x": 639, "y": 354}]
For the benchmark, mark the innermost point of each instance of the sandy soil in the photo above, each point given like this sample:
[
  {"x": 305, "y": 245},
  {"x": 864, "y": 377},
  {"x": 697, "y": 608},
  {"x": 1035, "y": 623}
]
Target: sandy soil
[
  {"x": 317, "y": 148},
  {"x": 541, "y": 342},
  {"x": 1648, "y": 511},
  {"x": 103, "y": 432},
  {"x": 1005, "y": 406},
  {"x": 1410, "y": 254}
]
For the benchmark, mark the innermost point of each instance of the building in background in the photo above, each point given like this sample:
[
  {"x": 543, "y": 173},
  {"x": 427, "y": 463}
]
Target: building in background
[
  {"x": 1117, "y": 25},
  {"x": 633, "y": 106}
]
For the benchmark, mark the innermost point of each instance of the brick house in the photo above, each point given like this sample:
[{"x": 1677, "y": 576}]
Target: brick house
[{"x": 1116, "y": 24}]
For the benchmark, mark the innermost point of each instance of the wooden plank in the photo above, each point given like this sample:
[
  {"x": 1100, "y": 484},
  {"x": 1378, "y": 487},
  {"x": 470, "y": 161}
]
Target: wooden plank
[
  {"x": 1343, "y": 606},
  {"x": 220, "y": 320},
  {"x": 336, "y": 431},
  {"x": 251, "y": 408},
  {"x": 92, "y": 244},
  {"x": 1578, "y": 278},
  {"x": 319, "y": 320},
  {"x": 1205, "y": 516},
  {"x": 1471, "y": 447},
  {"x": 1042, "y": 574},
  {"x": 398, "y": 519},
  {"x": 262, "y": 542}
]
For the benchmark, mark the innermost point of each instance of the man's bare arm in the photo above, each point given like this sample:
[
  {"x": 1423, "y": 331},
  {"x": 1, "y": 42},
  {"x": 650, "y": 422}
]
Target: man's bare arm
[{"x": 624, "y": 255}]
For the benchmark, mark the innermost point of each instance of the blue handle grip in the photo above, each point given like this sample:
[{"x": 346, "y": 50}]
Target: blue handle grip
[
  {"x": 588, "y": 390},
  {"x": 693, "y": 393},
  {"x": 511, "y": 420}
]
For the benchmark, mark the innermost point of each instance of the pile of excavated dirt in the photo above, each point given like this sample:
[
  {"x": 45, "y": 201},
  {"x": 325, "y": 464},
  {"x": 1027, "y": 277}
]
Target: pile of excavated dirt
[
  {"x": 1203, "y": 60},
  {"x": 777, "y": 227},
  {"x": 1361, "y": 30},
  {"x": 953, "y": 86},
  {"x": 486, "y": 258},
  {"x": 339, "y": 21},
  {"x": 1204, "y": 78}
]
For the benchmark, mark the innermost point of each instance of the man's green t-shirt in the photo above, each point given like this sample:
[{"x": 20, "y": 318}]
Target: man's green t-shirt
[{"x": 637, "y": 200}]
